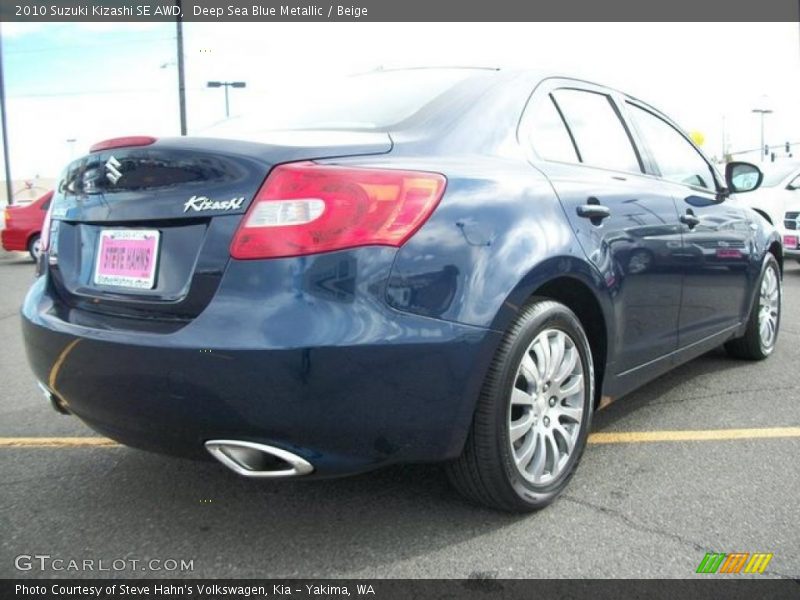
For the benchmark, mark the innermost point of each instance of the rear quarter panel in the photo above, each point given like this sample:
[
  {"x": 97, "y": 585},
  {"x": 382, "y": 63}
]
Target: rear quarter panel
[{"x": 498, "y": 234}]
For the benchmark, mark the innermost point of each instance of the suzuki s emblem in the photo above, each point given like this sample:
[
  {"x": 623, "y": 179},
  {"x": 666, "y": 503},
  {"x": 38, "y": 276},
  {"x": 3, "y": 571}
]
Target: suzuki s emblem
[
  {"x": 112, "y": 170},
  {"x": 198, "y": 203}
]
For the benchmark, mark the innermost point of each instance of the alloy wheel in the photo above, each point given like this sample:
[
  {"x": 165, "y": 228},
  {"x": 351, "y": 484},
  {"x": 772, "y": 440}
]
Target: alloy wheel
[
  {"x": 769, "y": 307},
  {"x": 547, "y": 406}
]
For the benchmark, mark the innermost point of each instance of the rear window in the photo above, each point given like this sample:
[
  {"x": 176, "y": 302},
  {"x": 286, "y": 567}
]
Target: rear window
[
  {"x": 599, "y": 134},
  {"x": 372, "y": 101}
]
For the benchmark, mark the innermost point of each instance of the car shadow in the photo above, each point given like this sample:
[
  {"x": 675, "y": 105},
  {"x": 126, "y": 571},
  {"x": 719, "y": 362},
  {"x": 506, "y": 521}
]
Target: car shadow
[
  {"x": 713, "y": 362},
  {"x": 319, "y": 528}
]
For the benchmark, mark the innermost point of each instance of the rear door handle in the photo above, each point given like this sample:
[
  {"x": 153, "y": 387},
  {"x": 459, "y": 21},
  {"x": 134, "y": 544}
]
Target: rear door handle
[
  {"x": 690, "y": 219},
  {"x": 595, "y": 212}
]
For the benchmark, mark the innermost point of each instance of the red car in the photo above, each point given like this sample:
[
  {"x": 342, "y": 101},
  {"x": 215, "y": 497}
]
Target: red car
[{"x": 24, "y": 226}]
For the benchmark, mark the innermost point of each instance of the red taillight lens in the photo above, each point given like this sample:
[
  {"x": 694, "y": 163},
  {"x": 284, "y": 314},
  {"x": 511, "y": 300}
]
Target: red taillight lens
[
  {"x": 123, "y": 142},
  {"x": 305, "y": 208}
]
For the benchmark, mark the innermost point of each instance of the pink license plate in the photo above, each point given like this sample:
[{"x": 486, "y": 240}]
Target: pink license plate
[
  {"x": 790, "y": 241},
  {"x": 127, "y": 258}
]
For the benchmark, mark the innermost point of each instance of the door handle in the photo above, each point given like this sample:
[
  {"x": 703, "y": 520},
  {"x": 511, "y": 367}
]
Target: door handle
[
  {"x": 595, "y": 212},
  {"x": 690, "y": 219}
]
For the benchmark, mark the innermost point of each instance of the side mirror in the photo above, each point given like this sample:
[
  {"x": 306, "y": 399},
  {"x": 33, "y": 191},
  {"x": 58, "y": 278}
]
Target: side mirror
[{"x": 742, "y": 177}]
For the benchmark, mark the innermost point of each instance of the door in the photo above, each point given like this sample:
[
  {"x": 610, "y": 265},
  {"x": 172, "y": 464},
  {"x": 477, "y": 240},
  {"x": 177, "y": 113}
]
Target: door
[
  {"x": 626, "y": 222},
  {"x": 718, "y": 237}
]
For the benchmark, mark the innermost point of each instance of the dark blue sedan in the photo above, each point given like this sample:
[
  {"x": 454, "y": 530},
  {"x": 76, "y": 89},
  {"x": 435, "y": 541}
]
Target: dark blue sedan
[{"x": 456, "y": 265}]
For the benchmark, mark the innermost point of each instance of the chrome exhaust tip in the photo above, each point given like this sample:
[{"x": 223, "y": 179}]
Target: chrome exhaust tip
[
  {"x": 257, "y": 460},
  {"x": 55, "y": 401}
]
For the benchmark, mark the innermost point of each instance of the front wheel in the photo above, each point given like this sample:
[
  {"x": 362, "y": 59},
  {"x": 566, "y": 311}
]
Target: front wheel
[
  {"x": 759, "y": 339},
  {"x": 533, "y": 414}
]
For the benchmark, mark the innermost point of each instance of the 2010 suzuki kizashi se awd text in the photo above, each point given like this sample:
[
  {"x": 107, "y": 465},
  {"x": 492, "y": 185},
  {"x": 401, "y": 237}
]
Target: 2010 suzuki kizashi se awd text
[{"x": 455, "y": 265}]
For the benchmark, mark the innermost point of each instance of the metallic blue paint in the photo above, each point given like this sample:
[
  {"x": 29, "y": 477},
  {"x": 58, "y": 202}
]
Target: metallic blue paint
[{"x": 366, "y": 357}]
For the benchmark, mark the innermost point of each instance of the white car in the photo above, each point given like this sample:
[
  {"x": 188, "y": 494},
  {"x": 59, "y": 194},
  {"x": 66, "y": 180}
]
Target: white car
[{"x": 778, "y": 201}]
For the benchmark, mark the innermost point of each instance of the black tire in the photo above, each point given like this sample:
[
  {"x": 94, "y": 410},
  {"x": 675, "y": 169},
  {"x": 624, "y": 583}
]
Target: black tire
[
  {"x": 751, "y": 346},
  {"x": 32, "y": 243},
  {"x": 486, "y": 471}
]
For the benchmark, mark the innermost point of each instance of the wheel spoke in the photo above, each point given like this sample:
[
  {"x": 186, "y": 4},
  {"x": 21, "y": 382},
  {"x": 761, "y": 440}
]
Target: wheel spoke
[
  {"x": 574, "y": 385},
  {"x": 567, "y": 366},
  {"x": 566, "y": 436},
  {"x": 539, "y": 458},
  {"x": 555, "y": 452},
  {"x": 521, "y": 427},
  {"x": 521, "y": 398},
  {"x": 526, "y": 452},
  {"x": 572, "y": 413},
  {"x": 529, "y": 370},
  {"x": 556, "y": 355},
  {"x": 541, "y": 348}
]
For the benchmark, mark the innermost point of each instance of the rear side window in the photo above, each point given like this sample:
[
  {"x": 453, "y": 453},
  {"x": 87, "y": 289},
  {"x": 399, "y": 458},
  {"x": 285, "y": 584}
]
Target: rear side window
[
  {"x": 599, "y": 134},
  {"x": 675, "y": 156},
  {"x": 547, "y": 132}
]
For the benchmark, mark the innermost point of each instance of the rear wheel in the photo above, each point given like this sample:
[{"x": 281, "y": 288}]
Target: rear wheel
[
  {"x": 35, "y": 247},
  {"x": 533, "y": 415},
  {"x": 759, "y": 339}
]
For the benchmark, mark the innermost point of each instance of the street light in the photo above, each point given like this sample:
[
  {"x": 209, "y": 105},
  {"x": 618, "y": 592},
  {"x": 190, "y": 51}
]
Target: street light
[
  {"x": 71, "y": 143},
  {"x": 762, "y": 112},
  {"x": 226, "y": 85}
]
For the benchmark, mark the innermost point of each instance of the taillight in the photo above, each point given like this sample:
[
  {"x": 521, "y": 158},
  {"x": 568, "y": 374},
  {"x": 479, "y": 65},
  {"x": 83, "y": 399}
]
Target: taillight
[
  {"x": 44, "y": 236},
  {"x": 305, "y": 208},
  {"x": 123, "y": 142}
]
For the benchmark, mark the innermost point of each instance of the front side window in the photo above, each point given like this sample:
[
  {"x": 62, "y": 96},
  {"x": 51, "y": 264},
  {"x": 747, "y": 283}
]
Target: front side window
[
  {"x": 677, "y": 159},
  {"x": 599, "y": 134}
]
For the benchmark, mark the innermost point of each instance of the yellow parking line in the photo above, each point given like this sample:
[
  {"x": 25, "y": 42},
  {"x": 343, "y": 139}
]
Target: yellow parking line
[
  {"x": 700, "y": 435},
  {"x": 618, "y": 437},
  {"x": 57, "y": 442}
]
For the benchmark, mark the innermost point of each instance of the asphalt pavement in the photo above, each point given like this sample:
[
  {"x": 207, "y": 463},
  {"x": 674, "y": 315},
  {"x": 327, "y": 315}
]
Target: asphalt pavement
[{"x": 634, "y": 509}]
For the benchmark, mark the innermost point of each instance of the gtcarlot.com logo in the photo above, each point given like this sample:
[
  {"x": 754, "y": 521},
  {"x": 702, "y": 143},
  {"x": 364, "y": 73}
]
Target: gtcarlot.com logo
[
  {"x": 46, "y": 562},
  {"x": 735, "y": 562}
]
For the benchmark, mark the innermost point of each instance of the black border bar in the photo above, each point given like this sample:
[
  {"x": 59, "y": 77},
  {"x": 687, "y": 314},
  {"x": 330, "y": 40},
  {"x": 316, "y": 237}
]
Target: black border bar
[
  {"x": 399, "y": 10},
  {"x": 706, "y": 587}
]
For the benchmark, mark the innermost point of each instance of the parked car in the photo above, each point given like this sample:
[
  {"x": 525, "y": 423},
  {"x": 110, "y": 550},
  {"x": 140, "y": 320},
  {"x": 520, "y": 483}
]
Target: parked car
[
  {"x": 778, "y": 201},
  {"x": 455, "y": 265},
  {"x": 23, "y": 226}
]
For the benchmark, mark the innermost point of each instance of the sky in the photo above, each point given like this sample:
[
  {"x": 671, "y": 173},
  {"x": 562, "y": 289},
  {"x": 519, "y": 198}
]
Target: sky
[{"x": 91, "y": 81}]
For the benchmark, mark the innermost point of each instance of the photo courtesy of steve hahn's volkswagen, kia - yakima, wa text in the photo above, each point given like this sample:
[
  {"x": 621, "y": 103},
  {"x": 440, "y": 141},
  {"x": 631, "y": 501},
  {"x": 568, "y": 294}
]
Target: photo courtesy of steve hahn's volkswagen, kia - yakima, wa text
[{"x": 345, "y": 302}]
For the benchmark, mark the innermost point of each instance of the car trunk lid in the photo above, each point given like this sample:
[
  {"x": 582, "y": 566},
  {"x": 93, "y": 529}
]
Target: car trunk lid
[{"x": 144, "y": 232}]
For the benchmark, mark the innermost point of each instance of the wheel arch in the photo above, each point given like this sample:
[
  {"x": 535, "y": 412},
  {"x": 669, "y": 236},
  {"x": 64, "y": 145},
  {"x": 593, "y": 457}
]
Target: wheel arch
[
  {"x": 30, "y": 237},
  {"x": 765, "y": 215},
  {"x": 577, "y": 285},
  {"x": 776, "y": 249}
]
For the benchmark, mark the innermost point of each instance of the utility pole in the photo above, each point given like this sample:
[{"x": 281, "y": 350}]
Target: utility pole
[
  {"x": 4, "y": 126},
  {"x": 181, "y": 78},
  {"x": 762, "y": 112}
]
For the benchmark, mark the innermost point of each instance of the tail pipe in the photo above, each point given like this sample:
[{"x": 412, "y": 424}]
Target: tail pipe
[
  {"x": 251, "y": 459},
  {"x": 54, "y": 399}
]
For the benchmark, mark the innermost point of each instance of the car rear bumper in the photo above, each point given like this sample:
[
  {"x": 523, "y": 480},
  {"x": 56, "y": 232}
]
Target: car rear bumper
[
  {"x": 13, "y": 240},
  {"x": 391, "y": 387}
]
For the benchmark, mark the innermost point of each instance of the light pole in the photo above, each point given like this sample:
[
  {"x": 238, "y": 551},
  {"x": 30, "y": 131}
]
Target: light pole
[
  {"x": 71, "y": 143},
  {"x": 226, "y": 85},
  {"x": 4, "y": 127},
  {"x": 181, "y": 75},
  {"x": 762, "y": 112}
]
